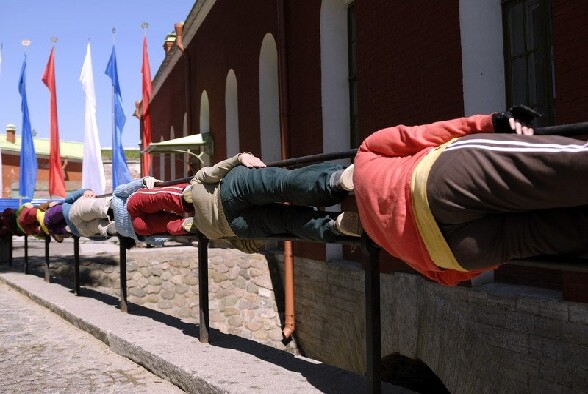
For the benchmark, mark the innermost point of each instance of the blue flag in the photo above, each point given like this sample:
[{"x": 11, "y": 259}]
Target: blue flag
[
  {"x": 120, "y": 170},
  {"x": 28, "y": 157}
]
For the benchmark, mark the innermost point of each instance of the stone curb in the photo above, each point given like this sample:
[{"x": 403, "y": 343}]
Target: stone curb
[{"x": 229, "y": 364}]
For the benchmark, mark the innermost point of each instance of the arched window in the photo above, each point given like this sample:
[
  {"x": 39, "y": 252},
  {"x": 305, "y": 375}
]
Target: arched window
[
  {"x": 204, "y": 113},
  {"x": 232, "y": 114},
  {"x": 172, "y": 156},
  {"x": 161, "y": 163},
  {"x": 205, "y": 121},
  {"x": 335, "y": 88},
  {"x": 269, "y": 101}
]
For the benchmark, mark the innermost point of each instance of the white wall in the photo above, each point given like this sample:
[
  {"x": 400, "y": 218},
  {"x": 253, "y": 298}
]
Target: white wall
[
  {"x": 334, "y": 87},
  {"x": 232, "y": 114},
  {"x": 269, "y": 101},
  {"x": 482, "y": 56},
  {"x": 205, "y": 122},
  {"x": 334, "y": 75}
]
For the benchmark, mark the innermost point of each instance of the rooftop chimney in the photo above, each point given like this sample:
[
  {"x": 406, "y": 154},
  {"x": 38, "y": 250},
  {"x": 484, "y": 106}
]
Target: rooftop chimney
[
  {"x": 11, "y": 133},
  {"x": 169, "y": 42},
  {"x": 179, "y": 32}
]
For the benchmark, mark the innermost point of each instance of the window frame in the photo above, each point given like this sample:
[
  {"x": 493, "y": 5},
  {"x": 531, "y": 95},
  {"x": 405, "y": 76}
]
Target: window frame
[{"x": 546, "y": 47}]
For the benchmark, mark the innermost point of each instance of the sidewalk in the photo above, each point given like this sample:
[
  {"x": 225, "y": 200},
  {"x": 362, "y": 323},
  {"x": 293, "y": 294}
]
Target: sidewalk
[{"x": 170, "y": 348}]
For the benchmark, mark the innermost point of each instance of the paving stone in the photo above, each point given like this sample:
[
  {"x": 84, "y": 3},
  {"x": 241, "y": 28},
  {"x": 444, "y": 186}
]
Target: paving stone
[{"x": 42, "y": 353}]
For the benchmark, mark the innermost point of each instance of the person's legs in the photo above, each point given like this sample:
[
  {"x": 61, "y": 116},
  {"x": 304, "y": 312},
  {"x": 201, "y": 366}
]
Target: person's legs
[
  {"x": 495, "y": 173},
  {"x": 243, "y": 187},
  {"x": 500, "y": 196},
  {"x": 278, "y": 219},
  {"x": 149, "y": 201},
  {"x": 158, "y": 223},
  {"x": 55, "y": 221},
  {"x": 94, "y": 228},
  {"x": 499, "y": 238},
  {"x": 89, "y": 209}
]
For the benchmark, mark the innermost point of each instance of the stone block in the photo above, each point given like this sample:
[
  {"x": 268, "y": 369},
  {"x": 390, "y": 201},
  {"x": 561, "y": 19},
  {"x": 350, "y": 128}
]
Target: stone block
[
  {"x": 165, "y": 304},
  {"x": 181, "y": 288},
  {"x": 191, "y": 280},
  {"x": 167, "y": 294},
  {"x": 137, "y": 292},
  {"x": 235, "y": 321}
]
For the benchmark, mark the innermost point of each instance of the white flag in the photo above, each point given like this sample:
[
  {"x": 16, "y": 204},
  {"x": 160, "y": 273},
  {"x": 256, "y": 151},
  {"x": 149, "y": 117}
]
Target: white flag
[{"x": 92, "y": 166}]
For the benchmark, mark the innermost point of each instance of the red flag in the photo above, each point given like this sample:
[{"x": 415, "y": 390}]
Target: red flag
[
  {"x": 56, "y": 179},
  {"x": 146, "y": 118}
]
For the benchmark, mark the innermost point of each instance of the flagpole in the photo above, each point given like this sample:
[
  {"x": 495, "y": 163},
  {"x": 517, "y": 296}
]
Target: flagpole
[
  {"x": 144, "y": 26},
  {"x": 112, "y": 118},
  {"x": 25, "y": 43}
]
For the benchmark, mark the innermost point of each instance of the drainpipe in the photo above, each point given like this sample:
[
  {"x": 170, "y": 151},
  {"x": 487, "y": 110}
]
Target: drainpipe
[{"x": 289, "y": 321}]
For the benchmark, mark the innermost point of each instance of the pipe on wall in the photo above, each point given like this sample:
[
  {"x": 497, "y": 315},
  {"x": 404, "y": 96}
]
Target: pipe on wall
[{"x": 289, "y": 319}]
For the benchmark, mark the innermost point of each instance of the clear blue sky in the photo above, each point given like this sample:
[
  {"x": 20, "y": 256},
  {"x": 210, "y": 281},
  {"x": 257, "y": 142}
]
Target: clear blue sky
[{"x": 73, "y": 22}]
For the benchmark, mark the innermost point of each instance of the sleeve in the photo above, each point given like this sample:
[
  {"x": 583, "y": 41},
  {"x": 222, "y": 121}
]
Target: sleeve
[
  {"x": 217, "y": 172},
  {"x": 248, "y": 245},
  {"x": 402, "y": 140},
  {"x": 124, "y": 191},
  {"x": 73, "y": 196}
]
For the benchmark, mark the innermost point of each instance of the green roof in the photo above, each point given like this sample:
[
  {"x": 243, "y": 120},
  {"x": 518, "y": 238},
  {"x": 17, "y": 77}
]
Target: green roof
[{"x": 68, "y": 149}]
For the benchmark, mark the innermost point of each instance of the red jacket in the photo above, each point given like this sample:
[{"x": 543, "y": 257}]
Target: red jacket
[{"x": 384, "y": 165}]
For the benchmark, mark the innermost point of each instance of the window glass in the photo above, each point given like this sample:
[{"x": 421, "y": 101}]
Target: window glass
[{"x": 528, "y": 49}]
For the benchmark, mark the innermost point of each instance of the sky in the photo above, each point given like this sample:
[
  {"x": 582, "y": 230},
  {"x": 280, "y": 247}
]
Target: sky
[{"x": 73, "y": 23}]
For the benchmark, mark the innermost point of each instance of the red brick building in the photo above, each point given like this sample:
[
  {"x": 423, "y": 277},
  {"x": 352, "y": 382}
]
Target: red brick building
[
  {"x": 297, "y": 78},
  {"x": 293, "y": 78},
  {"x": 71, "y": 156}
]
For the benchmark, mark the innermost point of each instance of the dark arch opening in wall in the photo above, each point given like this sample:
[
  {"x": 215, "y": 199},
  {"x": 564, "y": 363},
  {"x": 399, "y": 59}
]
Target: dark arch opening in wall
[{"x": 410, "y": 373}]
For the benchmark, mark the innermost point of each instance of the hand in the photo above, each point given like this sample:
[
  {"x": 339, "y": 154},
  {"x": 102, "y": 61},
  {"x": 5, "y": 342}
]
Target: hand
[
  {"x": 89, "y": 194},
  {"x": 520, "y": 128},
  {"x": 517, "y": 119},
  {"x": 250, "y": 161},
  {"x": 149, "y": 182}
]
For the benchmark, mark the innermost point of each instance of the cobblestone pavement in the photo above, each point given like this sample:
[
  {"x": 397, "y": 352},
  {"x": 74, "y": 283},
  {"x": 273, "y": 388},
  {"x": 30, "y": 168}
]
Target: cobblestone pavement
[{"x": 41, "y": 353}]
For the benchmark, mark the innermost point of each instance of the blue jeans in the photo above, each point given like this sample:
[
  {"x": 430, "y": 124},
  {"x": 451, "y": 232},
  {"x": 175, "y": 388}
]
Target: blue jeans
[{"x": 251, "y": 197}]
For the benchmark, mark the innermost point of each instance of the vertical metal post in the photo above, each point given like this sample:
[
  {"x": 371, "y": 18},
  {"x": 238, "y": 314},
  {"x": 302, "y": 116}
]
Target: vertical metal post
[
  {"x": 47, "y": 272},
  {"x": 123, "y": 278},
  {"x": 203, "y": 287},
  {"x": 10, "y": 246},
  {"x": 26, "y": 259},
  {"x": 373, "y": 332},
  {"x": 76, "y": 241}
]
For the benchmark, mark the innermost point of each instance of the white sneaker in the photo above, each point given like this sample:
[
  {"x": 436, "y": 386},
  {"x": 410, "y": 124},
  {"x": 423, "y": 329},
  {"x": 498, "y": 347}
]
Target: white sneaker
[
  {"x": 111, "y": 228},
  {"x": 348, "y": 223},
  {"x": 345, "y": 181},
  {"x": 188, "y": 225},
  {"x": 187, "y": 194}
]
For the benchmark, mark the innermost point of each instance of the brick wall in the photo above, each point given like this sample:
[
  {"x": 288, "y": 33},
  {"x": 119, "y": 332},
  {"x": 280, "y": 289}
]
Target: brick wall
[
  {"x": 409, "y": 63},
  {"x": 570, "y": 35}
]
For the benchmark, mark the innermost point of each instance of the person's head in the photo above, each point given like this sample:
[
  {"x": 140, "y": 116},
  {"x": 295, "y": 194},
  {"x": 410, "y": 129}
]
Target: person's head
[
  {"x": 89, "y": 194},
  {"x": 44, "y": 206},
  {"x": 27, "y": 214}
]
